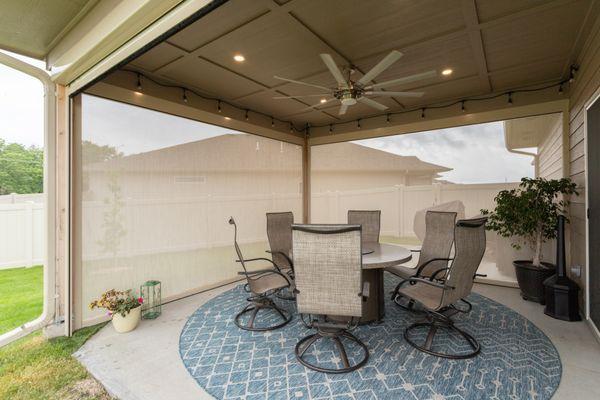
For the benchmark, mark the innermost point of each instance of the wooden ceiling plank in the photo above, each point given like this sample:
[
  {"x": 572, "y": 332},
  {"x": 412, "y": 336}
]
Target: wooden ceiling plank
[
  {"x": 469, "y": 9},
  {"x": 528, "y": 12},
  {"x": 589, "y": 20}
]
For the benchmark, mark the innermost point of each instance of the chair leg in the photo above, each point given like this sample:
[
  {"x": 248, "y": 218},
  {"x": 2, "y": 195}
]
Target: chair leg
[
  {"x": 256, "y": 305},
  {"x": 434, "y": 325},
  {"x": 305, "y": 343}
]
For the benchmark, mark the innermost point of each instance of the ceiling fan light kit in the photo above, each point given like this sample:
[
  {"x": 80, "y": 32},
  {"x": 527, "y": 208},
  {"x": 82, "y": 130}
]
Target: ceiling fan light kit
[{"x": 350, "y": 92}]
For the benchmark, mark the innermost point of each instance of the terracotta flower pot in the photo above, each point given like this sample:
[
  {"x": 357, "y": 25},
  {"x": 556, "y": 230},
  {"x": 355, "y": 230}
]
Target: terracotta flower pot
[{"x": 129, "y": 322}]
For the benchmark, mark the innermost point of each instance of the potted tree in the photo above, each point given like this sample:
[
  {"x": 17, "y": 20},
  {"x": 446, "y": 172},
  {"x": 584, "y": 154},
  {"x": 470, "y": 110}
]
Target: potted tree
[
  {"x": 527, "y": 215},
  {"x": 123, "y": 307}
]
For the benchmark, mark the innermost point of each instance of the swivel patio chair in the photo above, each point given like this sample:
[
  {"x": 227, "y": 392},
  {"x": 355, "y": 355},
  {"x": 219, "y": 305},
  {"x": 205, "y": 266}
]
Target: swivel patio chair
[
  {"x": 434, "y": 254},
  {"x": 279, "y": 232},
  {"x": 438, "y": 299},
  {"x": 330, "y": 294},
  {"x": 261, "y": 284},
  {"x": 370, "y": 220}
]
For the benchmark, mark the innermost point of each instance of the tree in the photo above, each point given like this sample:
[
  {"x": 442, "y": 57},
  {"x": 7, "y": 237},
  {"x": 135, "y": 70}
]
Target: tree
[
  {"x": 530, "y": 212},
  {"x": 21, "y": 168},
  {"x": 93, "y": 153}
]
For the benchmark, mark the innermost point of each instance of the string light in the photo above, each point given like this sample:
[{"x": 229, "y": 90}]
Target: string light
[
  {"x": 387, "y": 118},
  {"x": 572, "y": 71},
  {"x": 559, "y": 85}
]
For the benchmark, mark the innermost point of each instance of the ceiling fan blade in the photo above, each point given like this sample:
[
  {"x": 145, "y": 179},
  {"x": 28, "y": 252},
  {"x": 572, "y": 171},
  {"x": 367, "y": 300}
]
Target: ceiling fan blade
[
  {"x": 316, "y": 105},
  {"x": 372, "y": 103},
  {"x": 301, "y": 83},
  {"x": 343, "y": 109},
  {"x": 406, "y": 79},
  {"x": 301, "y": 96},
  {"x": 335, "y": 71},
  {"x": 380, "y": 67},
  {"x": 395, "y": 94}
]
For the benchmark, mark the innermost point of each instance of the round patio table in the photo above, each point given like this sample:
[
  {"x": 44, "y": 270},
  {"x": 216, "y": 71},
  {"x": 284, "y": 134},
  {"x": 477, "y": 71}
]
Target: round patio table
[{"x": 377, "y": 257}]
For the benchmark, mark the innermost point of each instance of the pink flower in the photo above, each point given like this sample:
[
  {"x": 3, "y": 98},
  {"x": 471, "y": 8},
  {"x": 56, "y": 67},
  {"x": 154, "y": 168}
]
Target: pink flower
[
  {"x": 109, "y": 314},
  {"x": 140, "y": 300}
]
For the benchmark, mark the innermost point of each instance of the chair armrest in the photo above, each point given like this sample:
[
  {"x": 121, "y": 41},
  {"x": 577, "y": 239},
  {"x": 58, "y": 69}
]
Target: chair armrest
[
  {"x": 250, "y": 274},
  {"x": 258, "y": 259},
  {"x": 434, "y": 275},
  {"x": 430, "y": 283},
  {"x": 429, "y": 262},
  {"x": 288, "y": 259},
  {"x": 365, "y": 291},
  {"x": 415, "y": 250}
]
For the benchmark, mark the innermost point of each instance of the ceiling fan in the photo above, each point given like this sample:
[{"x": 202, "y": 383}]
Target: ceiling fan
[{"x": 349, "y": 92}]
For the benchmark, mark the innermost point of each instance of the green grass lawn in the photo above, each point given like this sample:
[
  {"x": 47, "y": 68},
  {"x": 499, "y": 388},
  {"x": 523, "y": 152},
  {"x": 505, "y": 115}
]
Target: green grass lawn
[
  {"x": 21, "y": 296},
  {"x": 34, "y": 367}
]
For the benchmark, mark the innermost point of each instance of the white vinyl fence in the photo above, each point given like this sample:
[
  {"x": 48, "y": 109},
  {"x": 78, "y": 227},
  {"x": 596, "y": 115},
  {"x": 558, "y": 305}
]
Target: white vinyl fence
[
  {"x": 22, "y": 241},
  {"x": 195, "y": 223},
  {"x": 398, "y": 204}
]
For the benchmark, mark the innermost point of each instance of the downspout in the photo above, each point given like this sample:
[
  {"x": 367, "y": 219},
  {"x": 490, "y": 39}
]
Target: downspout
[{"x": 50, "y": 296}]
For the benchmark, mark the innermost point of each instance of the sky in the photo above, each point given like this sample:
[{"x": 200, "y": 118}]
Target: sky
[
  {"x": 476, "y": 153},
  {"x": 21, "y": 105}
]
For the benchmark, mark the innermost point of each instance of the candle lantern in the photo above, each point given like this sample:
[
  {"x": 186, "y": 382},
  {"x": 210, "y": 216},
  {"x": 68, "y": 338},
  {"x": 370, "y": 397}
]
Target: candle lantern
[{"x": 151, "y": 292}]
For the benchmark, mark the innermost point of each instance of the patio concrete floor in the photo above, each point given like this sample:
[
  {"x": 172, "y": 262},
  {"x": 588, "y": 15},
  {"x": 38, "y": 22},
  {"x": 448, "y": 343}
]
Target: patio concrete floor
[{"x": 145, "y": 364}]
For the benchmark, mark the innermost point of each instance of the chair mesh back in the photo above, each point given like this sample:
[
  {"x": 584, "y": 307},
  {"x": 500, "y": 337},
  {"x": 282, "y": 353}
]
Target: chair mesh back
[
  {"x": 328, "y": 269},
  {"x": 279, "y": 232},
  {"x": 370, "y": 222},
  {"x": 439, "y": 236},
  {"x": 470, "y": 247}
]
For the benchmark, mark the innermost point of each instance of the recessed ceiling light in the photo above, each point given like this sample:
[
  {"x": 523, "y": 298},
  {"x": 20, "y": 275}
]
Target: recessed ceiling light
[
  {"x": 239, "y": 58},
  {"x": 447, "y": 71},
  {"x": 323, "y": 101}
]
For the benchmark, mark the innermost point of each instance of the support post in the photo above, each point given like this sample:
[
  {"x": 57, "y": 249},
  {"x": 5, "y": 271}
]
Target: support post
[{"x": 306, "y": 180}]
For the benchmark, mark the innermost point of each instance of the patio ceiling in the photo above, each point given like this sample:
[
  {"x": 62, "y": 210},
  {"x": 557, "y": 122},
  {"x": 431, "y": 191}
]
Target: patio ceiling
[
  {"x": 34, "y": 27},
  {"x": 491, "y": 46}
]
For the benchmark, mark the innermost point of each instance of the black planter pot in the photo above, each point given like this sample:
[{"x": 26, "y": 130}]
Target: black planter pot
[{"x": 531, "y": 279}]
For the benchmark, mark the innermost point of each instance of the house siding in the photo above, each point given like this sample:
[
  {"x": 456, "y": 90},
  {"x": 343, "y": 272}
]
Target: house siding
[
  {"x": 550, "y": 159},
  {"x": 587, "y": 82}
]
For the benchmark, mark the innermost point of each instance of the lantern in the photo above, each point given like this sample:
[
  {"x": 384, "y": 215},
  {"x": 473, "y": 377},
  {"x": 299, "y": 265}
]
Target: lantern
[{"x": 151, "y": 292}]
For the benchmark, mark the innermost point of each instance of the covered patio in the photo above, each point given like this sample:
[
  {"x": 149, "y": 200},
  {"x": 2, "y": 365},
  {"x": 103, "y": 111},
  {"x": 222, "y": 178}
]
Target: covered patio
[{"x": 218, "y": 116}]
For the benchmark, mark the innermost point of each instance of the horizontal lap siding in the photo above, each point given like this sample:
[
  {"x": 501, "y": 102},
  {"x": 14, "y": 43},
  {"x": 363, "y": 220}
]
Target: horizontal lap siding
[
  {"x": 587, "y": 82},
  {"x": 550, "y": 159}
]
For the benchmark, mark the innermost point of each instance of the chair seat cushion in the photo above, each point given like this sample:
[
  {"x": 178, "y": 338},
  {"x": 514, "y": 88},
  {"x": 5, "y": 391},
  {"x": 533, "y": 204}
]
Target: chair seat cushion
[
  {"x": 267, "y": 282},
  {"x": 429, "y": 296},
  {"x": 402, "y": 271}
]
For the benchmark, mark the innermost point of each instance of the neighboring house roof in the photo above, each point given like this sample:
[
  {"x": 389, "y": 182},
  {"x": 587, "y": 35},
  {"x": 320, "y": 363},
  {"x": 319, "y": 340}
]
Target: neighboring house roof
[
  {"x": 355, "y": 157},
  {"x": 234, "y": 152}
]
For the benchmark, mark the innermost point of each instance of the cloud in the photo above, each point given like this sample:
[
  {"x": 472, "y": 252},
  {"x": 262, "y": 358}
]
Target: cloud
[{"x": 476, "y": 153}]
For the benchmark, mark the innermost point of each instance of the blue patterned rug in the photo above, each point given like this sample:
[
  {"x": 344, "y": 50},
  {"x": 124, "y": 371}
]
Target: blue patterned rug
[{"x": 517, "y": 360}]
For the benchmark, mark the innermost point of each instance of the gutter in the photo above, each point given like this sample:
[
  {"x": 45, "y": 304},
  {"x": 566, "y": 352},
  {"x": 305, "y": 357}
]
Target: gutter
[
  {"x": 525, "y": 153},
  {"x": 50, "y": 292}
]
